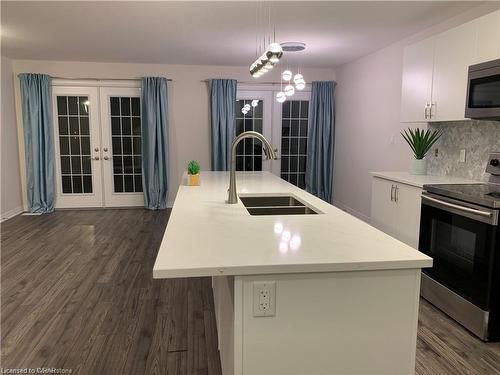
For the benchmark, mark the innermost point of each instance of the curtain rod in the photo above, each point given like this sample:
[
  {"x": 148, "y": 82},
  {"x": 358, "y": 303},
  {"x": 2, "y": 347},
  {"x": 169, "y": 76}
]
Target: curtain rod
[
  {"x": 249, "y": 82},
  {"x": 101, "y": 79}
]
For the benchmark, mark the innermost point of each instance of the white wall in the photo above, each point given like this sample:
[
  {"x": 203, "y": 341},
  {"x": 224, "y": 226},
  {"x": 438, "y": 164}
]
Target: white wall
[
  {"x": 189, "y": 130},
  {"x": 11, "y": 183},
  {"x": 368, "y": 103}
]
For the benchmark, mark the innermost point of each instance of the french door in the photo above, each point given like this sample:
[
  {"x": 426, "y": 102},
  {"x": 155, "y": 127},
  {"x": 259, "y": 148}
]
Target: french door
[
  {"x": 97, "y": 132},
  {"x": 285, "y": 125},
  {"x": 249, "y": 153}
]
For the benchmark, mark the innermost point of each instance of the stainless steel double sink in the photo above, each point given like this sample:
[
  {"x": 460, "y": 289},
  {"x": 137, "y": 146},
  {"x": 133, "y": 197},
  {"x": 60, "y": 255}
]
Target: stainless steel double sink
[{"x": 276, "y": 205}]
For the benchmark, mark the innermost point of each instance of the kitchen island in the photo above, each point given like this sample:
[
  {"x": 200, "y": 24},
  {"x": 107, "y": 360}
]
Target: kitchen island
[{"x": 321, "y": 293}]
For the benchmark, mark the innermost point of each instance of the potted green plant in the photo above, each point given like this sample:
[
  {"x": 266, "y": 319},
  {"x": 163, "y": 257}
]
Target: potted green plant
[
  {"x": 420, "y": 142},
  {"x": 193, "y": 170}
]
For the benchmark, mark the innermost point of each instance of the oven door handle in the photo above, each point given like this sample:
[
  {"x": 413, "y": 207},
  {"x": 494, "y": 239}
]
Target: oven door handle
[{"x": 458, "y": 207}]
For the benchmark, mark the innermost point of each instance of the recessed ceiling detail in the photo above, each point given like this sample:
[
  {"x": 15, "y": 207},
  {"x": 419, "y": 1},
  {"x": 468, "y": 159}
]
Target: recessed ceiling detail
[{"x": 293, "y": 46}]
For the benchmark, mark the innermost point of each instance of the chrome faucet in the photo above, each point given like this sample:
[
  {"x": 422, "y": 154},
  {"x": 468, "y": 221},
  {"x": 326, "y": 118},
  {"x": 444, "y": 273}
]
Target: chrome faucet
[{"x": 268, "y": 150}]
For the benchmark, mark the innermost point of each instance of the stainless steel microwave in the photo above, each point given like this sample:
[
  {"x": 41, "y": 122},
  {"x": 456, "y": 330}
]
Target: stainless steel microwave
[{"x": 483, "y": 91}]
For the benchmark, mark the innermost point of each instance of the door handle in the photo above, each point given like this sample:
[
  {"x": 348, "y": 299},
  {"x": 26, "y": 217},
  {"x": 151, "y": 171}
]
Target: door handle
[
  {"x": 458, "y": 207},
  {"x": 426, "y": 110}
]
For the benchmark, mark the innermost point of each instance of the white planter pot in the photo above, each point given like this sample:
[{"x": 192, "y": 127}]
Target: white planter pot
[{"x": 418, "y": 167}]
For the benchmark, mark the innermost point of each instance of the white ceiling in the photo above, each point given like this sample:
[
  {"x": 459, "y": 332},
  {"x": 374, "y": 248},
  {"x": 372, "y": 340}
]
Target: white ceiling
[{"x": 209, "y": 33}]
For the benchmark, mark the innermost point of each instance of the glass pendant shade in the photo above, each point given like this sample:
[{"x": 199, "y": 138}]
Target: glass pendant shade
[
  {"x": 274, "y": 58},
  {"x": 300, "y": 85},
  {"x": 289, "y": 90},
  {"x": 255, "y": 103},
  {"x": 286, "y": 75},
  {"x": 275, "y": 48},
  {"x": 280, "y": 97},
  {"x": 298, "y": 77}
]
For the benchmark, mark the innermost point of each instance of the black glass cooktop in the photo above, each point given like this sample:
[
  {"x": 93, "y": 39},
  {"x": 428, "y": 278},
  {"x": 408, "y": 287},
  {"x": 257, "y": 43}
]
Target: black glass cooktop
[{"x": 487, "y": 195}]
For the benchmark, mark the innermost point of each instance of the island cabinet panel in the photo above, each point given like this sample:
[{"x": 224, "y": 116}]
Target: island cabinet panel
[
  {"x": 329, "y": 323},
  {"x": 223, "y": 290},
  {"x": 395, "y": 209}
]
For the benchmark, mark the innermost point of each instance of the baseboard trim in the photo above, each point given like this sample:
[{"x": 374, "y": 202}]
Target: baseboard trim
[
  {"x": 355, "y": 213},
  {"x": 11, "y": 213}
]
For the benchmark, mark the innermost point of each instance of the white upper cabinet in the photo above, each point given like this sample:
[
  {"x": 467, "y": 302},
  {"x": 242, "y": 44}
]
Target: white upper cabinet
[
  {"x": 435, "y": 70},
  {"x": 418, "y": 64},
  {"x": 488, "y": 38},
  {"x": 455, "y": 50}
]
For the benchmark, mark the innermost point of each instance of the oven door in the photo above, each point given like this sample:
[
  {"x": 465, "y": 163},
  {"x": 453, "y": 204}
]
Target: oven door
[{"x": 460, "y": 237}]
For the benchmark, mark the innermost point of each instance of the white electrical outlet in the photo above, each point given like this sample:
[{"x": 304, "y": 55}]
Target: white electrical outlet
[
  {"x": 462, "y": 156},
  {"x": 264, "y": 298}
]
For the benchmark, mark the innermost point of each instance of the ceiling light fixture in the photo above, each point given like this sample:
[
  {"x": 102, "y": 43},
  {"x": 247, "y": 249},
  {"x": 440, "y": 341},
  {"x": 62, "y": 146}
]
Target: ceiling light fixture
[
  {"x": 290, "y": 79},
  {"x": 273, "y": 53}
]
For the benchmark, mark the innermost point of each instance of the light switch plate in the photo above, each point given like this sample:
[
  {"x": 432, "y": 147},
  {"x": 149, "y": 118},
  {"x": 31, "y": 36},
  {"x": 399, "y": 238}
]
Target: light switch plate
[{"x": 264, "y": 298}]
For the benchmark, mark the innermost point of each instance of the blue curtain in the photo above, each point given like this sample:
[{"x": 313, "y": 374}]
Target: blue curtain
[
  {"x": 154, "y": 142},
  {"x": 38, "y": 145},
  {"x": 320, "y": 140},
  {"x": 222, "y": 103}
]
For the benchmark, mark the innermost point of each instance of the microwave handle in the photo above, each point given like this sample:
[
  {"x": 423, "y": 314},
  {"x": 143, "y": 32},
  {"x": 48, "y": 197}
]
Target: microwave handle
[{"x": 457, "y": 207}]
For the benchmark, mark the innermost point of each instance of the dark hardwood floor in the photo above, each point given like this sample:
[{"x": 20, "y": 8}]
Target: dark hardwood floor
[{"x": 77, "y": 293}]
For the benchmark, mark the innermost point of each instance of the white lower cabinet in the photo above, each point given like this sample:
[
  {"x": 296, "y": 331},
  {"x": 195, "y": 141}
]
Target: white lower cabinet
[{"x": 395, "y": 209}]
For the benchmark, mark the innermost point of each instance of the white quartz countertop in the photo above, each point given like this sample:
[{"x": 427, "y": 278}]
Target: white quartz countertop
[
  {"x": 205, "y": 236},
  {"x": 420, "y": 181}
]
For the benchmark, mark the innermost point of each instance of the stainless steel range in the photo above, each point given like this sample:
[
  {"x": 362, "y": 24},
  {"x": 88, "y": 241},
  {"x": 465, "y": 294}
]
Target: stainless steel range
[{"x": 460, "y": 229}]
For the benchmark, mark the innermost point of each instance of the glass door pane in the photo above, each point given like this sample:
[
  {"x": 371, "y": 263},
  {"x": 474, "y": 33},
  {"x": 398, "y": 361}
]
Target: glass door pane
[
  {"x": 122, "y": 153},
  {"x": 126, "y": 144},
  {"x": 294, "y": 126},
  {"x": 249, "y": 150},
  {"x": 74, "y": 144},
  {"x": 77, "y": 144},
  {"x": 249, "y": 153}
]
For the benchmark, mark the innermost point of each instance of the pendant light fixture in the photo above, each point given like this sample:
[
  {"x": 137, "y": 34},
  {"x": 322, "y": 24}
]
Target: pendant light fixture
[
  {"x": 292, "y": 80},
  {"x": 272, "y": 54}
]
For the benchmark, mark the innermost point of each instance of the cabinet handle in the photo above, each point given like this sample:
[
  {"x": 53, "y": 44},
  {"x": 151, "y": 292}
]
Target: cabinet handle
[
  {"x": 426, "y": 110},
  {"x": 392, "y": 193},
  {"x": 431, "y": 112},
  {"x": 396, "y": 194}
]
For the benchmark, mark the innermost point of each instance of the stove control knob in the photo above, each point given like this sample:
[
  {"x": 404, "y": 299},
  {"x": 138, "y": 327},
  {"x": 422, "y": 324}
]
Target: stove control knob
[{"x": 494, "y": 162}]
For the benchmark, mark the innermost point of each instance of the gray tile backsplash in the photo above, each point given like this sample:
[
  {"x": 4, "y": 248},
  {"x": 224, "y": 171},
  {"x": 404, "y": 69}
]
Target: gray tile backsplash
[{"x": 478, "y": 138}]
